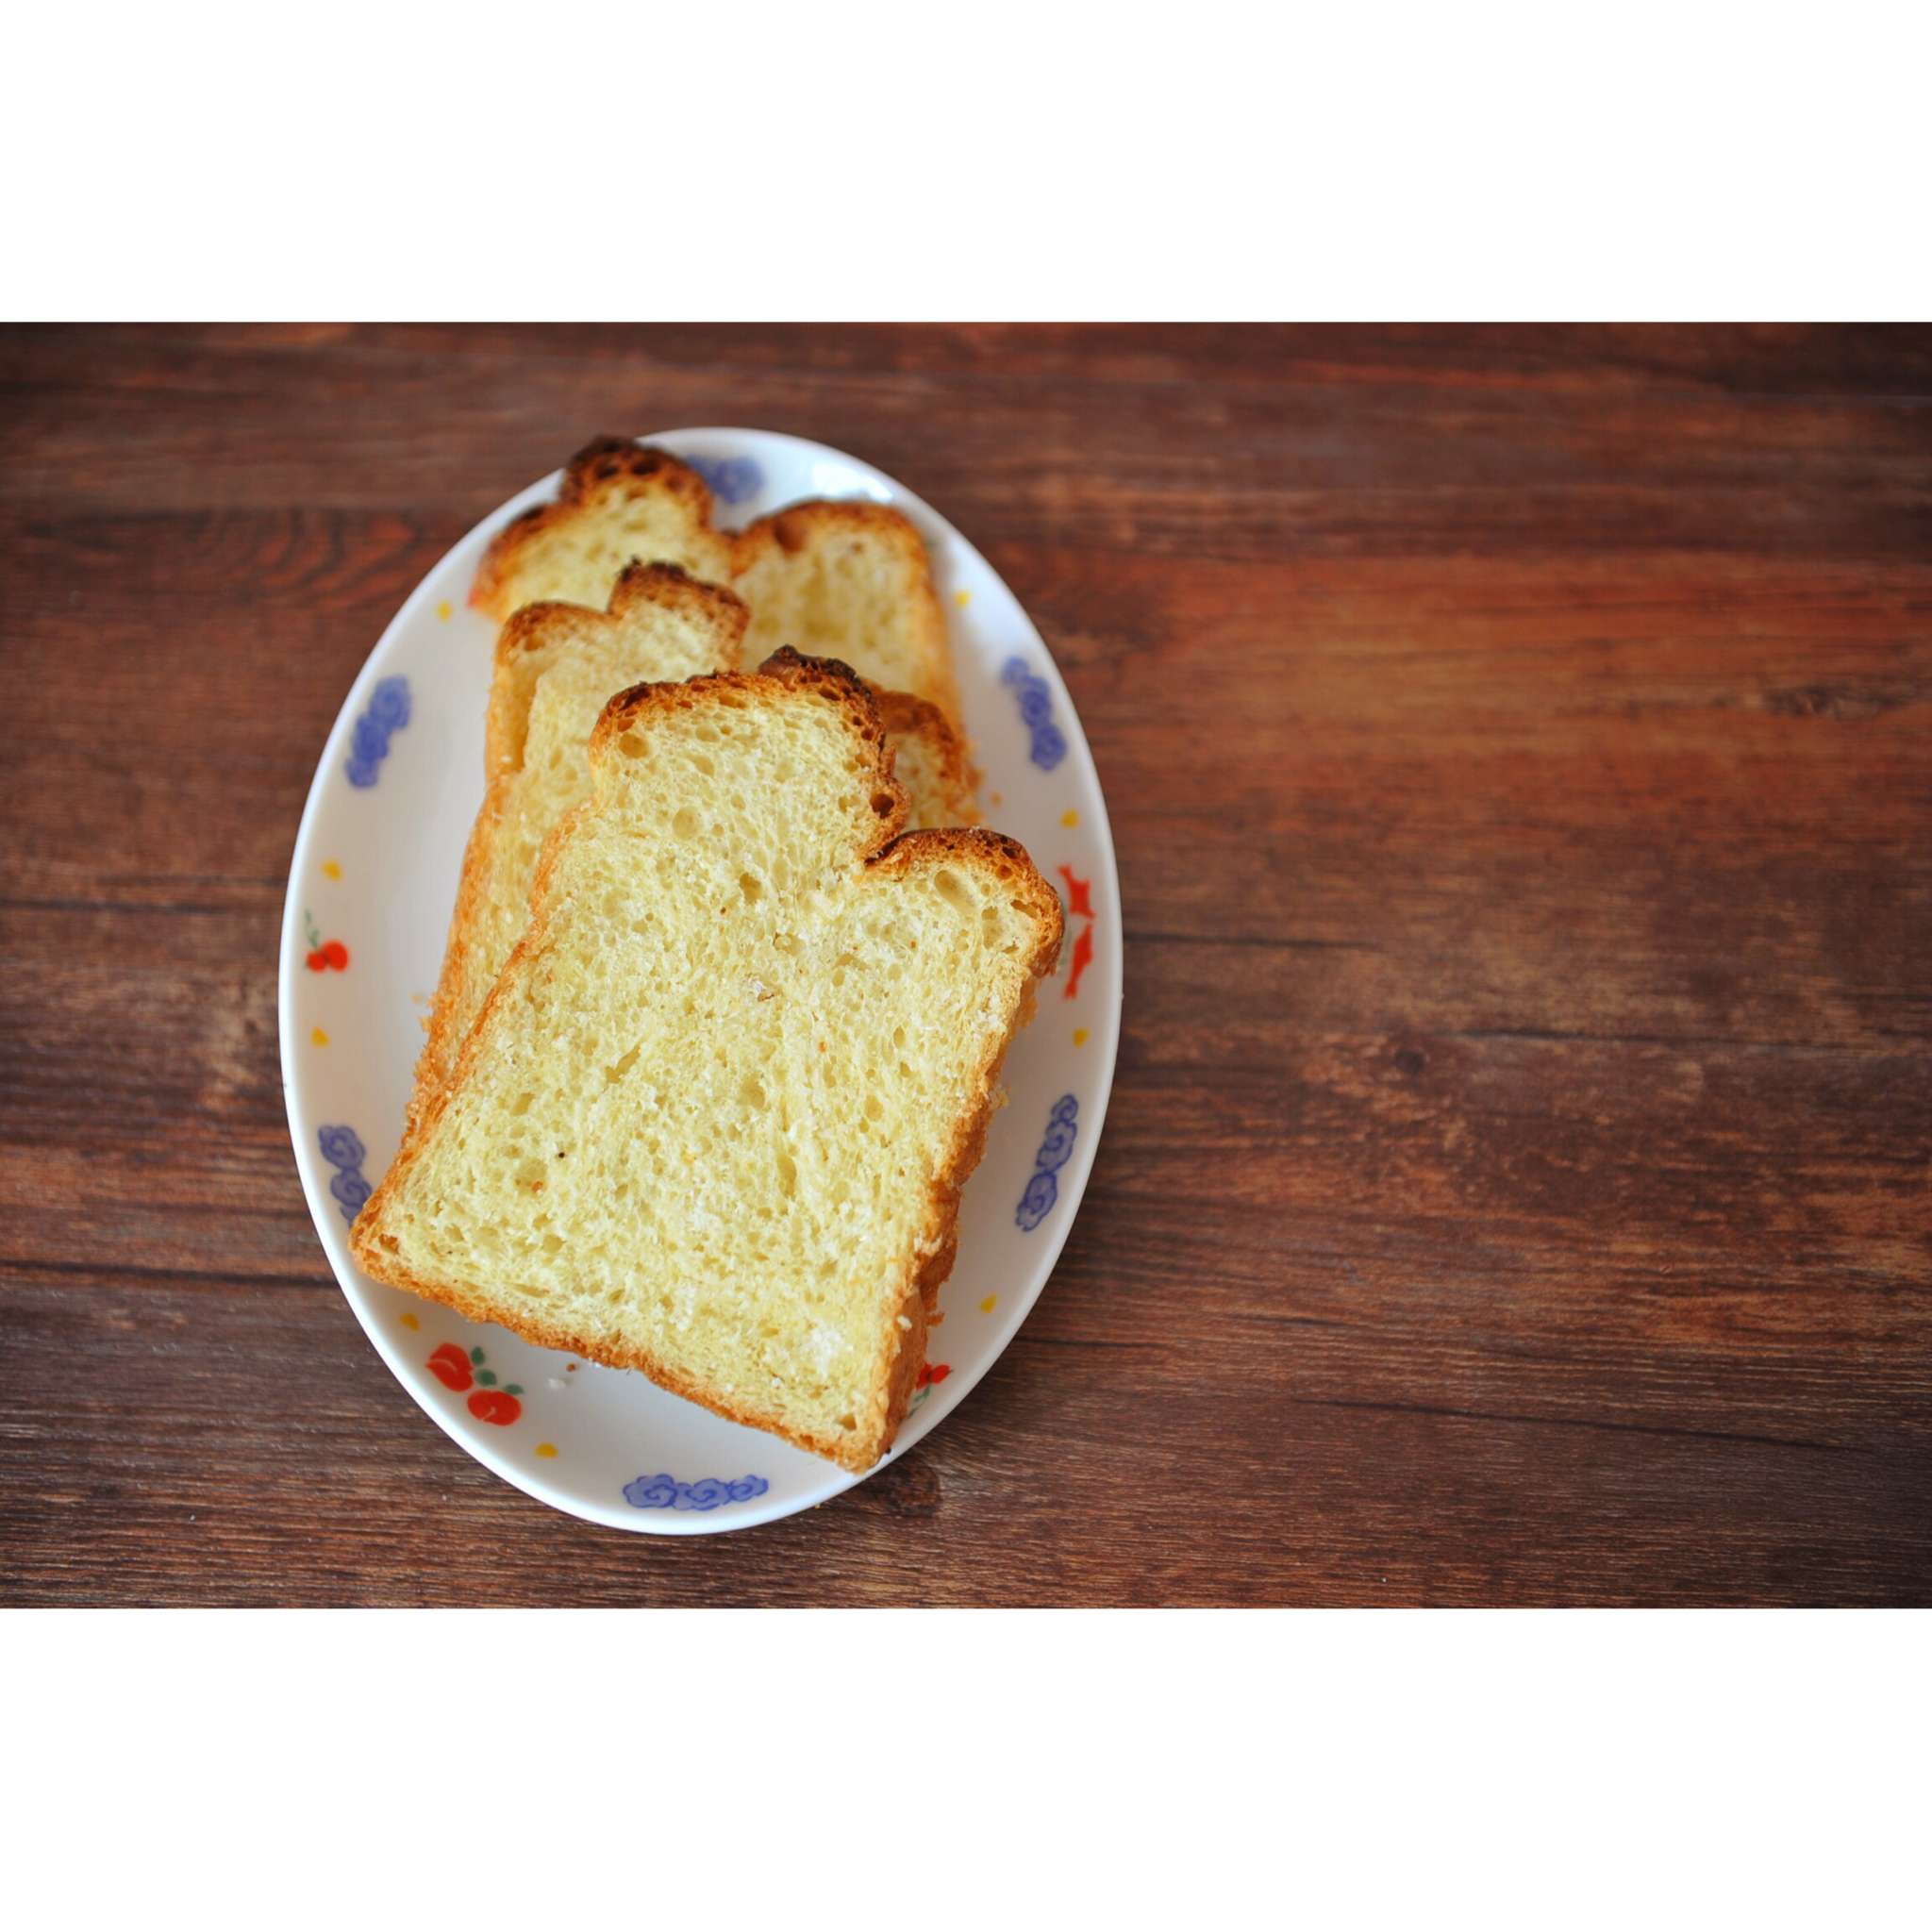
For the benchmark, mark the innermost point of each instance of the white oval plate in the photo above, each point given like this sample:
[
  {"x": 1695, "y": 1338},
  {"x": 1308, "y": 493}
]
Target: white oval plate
[{"x": 369, "y": 892}]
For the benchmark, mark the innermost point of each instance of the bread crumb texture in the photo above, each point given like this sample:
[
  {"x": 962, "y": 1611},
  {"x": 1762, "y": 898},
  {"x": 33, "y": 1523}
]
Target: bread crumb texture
[
  {"x": 556, "y": 667},
  {"x": 714, "y": 1121}
]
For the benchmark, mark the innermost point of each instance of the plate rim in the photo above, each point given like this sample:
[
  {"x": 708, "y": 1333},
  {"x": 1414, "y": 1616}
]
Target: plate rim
[{"x": 1074, "y": 1177}]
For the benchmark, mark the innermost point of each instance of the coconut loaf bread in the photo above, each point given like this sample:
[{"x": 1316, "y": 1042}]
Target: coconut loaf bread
[
  {"x": 714, "y": 1119},
  {"x": 841, "y": 579}
]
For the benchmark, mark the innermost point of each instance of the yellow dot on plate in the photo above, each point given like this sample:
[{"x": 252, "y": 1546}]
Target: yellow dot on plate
[
  {"x": 442, "y": 611},
  {"x": 1070, "y": 818},
  {"x": 963, "y": 598},
  {"x": 331, "y": 869},
  {"x": 320, "y": 1037},
  {"x": 986, "y": 1307},
  {"x": 997, "y": 799},
  {"x": 546, "y": 1448},
  {"x": 1079, "y": 1035},
  {"x": 409, "y": 1320}
]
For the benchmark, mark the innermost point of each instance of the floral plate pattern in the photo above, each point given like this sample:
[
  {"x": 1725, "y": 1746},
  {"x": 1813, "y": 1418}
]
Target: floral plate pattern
[{"x": 370, "y": 888}]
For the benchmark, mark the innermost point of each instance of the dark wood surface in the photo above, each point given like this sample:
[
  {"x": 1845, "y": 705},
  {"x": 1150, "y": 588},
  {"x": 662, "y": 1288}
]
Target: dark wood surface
[{"x": 1519, "y": 744}]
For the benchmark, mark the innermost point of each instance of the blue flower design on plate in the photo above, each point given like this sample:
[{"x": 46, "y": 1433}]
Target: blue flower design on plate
[
  {"x": 709, "y": 1493},
  {"x": 737, "y": 479},
  {"x": 343, "y": 1150},
  {"x": 1036, "y": 713},
  {"x": 388, "y": 713},
  {"x": 1043, "y": 1189}
]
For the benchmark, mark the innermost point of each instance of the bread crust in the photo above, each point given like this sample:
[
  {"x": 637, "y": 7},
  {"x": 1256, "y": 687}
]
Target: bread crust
[
  {"x": 605, "y": 465},
  {"x": 892, "y": 853}
]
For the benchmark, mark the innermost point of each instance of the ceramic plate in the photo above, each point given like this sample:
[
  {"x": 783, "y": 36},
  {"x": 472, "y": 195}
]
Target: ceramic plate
[{"x": 370, "y": 894}]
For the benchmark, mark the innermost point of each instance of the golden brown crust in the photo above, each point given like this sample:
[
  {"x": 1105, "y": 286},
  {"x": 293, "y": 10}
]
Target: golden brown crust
[
  {"x": 606, "y": 464},
  {"x": 903, "y": 1377},
  {"x": 891, "y": 852}
]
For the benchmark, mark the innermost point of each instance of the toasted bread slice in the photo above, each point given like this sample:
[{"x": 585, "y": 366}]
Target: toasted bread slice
[
  {"x": 715, "y": 1117},
  {"x": 621, "y": 504},
  {"x": 847, "y": 579}
]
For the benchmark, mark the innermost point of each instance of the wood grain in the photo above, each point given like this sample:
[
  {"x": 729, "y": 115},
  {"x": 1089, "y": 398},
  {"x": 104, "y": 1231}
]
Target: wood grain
[{"x": 1519, "y": 744}]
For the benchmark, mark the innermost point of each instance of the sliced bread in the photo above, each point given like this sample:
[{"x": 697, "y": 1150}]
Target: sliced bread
[
  {"x": 715, "y": 1117},
  {"x": 620, "y": 504},
  {"x": 850, "y": 580},
  {"x": 557, "y": 665},
  {"x": 846, "y": 579}
]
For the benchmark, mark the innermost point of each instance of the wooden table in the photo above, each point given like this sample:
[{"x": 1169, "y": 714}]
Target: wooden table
[{"x": 1520, "y": 751}]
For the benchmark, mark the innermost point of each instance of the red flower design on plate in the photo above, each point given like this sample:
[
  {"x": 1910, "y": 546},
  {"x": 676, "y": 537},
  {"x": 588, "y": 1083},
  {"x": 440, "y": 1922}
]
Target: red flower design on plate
[
  {"x": 933, "y": 1372},
  {"x": 323, "y": 954},
  {"x": 458, "y": 1370},
  {"x": 451, "y": 1367},
  {"x": 1082, "y": 958},
  {"x": 1079, "y": 906}
]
